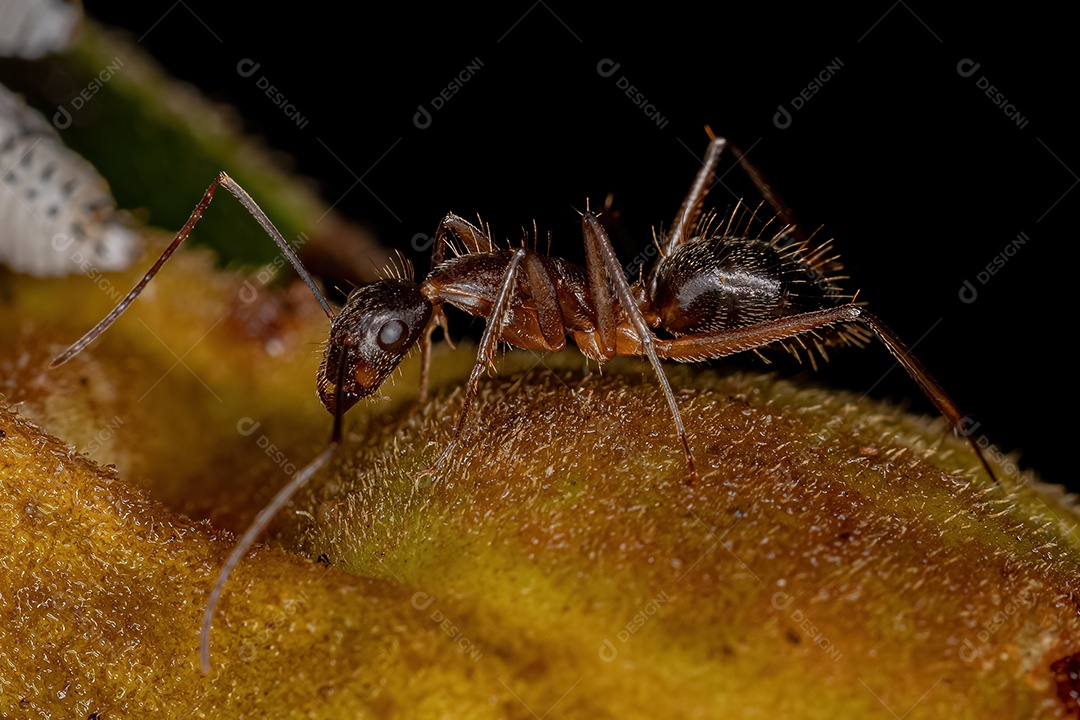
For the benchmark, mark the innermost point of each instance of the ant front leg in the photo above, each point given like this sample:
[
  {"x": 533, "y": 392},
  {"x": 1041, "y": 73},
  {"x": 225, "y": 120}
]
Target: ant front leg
[
  {"x": 500, "y": 313},
  {"x": 476, "y": 241},
  {"x": 600, "y": 260},
  {"x": 552, "y": 335}
]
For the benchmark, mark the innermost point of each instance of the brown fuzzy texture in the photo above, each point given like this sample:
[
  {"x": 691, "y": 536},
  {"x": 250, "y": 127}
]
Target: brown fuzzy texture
[{"x": 837, "y": 558}]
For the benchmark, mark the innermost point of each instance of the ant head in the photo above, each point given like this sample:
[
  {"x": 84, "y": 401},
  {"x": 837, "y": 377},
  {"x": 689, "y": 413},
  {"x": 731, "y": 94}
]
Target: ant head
[{"x": 369, "y": 337}]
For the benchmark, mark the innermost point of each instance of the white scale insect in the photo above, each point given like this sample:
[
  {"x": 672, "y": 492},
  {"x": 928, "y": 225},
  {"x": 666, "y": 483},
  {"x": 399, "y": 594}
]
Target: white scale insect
[{"x": 57, "y": 216}]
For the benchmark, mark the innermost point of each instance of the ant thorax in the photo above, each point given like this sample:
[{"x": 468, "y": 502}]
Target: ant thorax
[
  {"x": 471, "y": 282},
  {"x": 715, "y": 292}
]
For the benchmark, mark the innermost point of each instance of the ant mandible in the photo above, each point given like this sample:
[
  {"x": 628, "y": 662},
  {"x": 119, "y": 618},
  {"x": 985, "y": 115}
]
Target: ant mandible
[{"x": 710, "y": 294}]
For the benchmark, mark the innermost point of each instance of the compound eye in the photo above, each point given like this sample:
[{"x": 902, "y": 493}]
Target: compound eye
[{"x": 392, "y": 335}]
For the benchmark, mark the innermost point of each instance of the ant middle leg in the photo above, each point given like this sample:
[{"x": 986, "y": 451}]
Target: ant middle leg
[{"x": 604, "y": 267}]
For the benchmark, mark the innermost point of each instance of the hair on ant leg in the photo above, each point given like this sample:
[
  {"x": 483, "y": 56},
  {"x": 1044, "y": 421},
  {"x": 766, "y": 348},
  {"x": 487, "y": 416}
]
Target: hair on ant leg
[{"x": 712, "y": 292}]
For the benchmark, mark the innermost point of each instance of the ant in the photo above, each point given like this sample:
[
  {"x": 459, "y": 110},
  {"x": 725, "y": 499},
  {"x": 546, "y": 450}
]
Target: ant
[{"x": 711, "y": 294}]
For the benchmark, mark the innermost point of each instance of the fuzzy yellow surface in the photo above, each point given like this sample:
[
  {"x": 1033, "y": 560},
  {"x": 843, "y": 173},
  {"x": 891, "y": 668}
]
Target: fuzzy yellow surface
[{"x": 837, "y": 558}]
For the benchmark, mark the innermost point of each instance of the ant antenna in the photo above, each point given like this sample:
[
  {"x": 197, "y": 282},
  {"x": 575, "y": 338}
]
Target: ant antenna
[
  {"x": 240, "y": 194},
  {"x": 299, "y": 479},
  {"x": 263, "y": 519}
]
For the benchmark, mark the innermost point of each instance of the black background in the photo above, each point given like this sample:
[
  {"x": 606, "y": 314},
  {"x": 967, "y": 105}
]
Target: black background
[{"x": 918, "y": 175}]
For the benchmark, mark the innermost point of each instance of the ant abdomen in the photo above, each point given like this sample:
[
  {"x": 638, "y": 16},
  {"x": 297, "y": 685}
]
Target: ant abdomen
[
  {"x": 711, "y": 295},
  {"x": 715, "y": 283}
]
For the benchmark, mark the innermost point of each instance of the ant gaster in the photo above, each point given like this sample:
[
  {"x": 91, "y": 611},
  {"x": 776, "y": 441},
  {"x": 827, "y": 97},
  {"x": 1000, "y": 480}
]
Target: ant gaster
[{"x": 711, "y": 294}]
